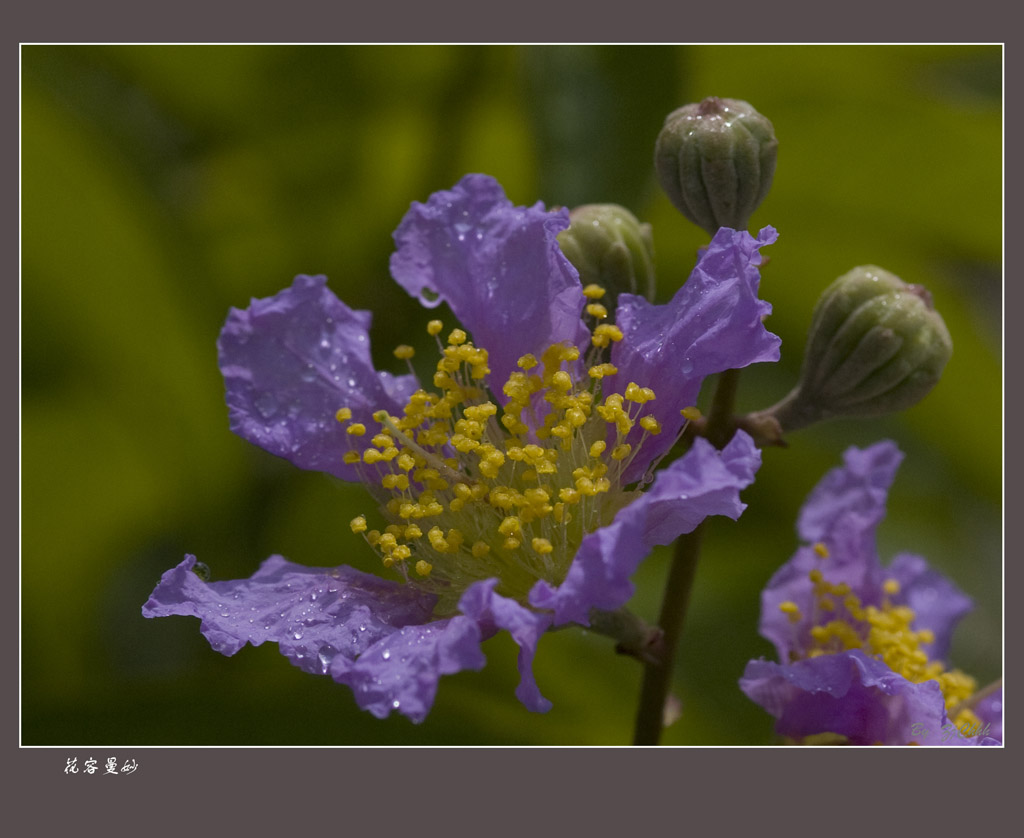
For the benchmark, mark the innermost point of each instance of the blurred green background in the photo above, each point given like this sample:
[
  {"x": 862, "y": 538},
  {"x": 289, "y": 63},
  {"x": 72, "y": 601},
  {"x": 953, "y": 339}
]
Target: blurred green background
[{"x": 163, "y": 184}]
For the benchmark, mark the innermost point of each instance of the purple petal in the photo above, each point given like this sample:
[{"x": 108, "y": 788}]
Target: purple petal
[
  {"x": 848, "y": 693},
  {"x": 842, "y": 512},
  {"x": 481, "y": 603},
  {"x": 846, "y": 506},
  {"x": 498, "y": 266},
  {"x": 938, "y": 604},
  {"x": 400, "y": 672},
  {"x": 713, "y": 323},
  {"x": 312, "y": 613},
  {"x": 990, "y": 711},
  {"x": 703, "y": 482},
  {"x": 290, "y": 361}
]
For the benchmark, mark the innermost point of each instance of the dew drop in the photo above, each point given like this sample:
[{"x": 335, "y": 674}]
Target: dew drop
[
  {"x": 297, "y": 635},
  {"x": 202, "y": 571},
  {"x": 386, "y": 654},
  {"x": 325, "y": 656},
  {"x": 396, "y": 704}
]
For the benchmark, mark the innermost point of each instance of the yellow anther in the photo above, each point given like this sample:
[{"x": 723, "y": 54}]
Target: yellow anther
[
  {"x": 480, "y": 549},
  {"x": 542, "y": 546},
  {"x": 455, "y": 539},
  {"x": 372, "y": 455},
  {"x": 820, "y": 550},
  {"x": 351, "y": 457},
  {"x": 512, "y": 543},
  {"x": 510, "y": 525},
  {"x": 561, "y": 430},
  {"x": 404, "y": 351},
  {"x": 457, "y": 337},
  {"x": 816, "y": 576},
  {"x": 434, "y": 327},
  {"x": 533, "y": 452},
  {"x": 561, "y": 380},
  {"x": 598, "y": 448},
  {"x": 597, "y": 310},
  {"x": 638, "y": 394},
  {"x": 356, "y": 429},
  {"x": 382, "y": 440},
  {"x": 593, "y": 292},
  {"x": 423, "y": 568},
  {"x": 401, "y": 552},
  {"x": 891, "y": 587},
  {"x": 650, "y": 424},
  {"x": 358, "y": 524},
  {"x": 527, "y": 362},
  {"x": 372, "y": 537},
  {"x": 576, "y": 417},
  {"x": 343, "y": 414},
  {"x": 412, "y": 532},
  {"x": 620, "y": 452},
  {"x": 691, "y": 414},
  {"x": 605, "y": 334},
  {"x": 791, "y": 610},
  {"x": 395, "y": 481},
  {"x": 602, "y": 370}
]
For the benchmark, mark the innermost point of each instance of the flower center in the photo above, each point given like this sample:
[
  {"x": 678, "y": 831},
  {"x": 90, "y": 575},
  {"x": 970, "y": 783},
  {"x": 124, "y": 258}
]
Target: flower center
[
  {"x": 883, "y": 631},
  {"x": 472, "y": 490}
]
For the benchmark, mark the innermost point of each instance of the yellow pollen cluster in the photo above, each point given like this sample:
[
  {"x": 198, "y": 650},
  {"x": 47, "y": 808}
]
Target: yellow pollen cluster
[
  {"x": 472, "y": 490},
  {"x": 884, "y": 631}
]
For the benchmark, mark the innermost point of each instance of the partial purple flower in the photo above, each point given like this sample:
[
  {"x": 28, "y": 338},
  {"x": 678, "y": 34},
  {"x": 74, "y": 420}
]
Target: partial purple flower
[
  {"x": 516, "y": 490},
  {"x": 861, "y": 647}
]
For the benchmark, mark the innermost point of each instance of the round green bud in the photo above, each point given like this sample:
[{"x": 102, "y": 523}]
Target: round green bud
[
  {"x": 715, "y": 160},
  {"x": 876, "y": 345},
  {"x": 610, "y": 248}
]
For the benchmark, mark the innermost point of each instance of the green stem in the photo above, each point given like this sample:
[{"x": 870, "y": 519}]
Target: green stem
[{"x": 657, "y": 678}]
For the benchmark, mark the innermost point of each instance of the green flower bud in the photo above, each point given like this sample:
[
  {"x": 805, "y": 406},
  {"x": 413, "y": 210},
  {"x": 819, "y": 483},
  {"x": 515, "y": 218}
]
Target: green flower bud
[
  {"x": 610, "y": 248},
  {"x": 876, "y": 345},
  {"x": 715, "y": 160}
]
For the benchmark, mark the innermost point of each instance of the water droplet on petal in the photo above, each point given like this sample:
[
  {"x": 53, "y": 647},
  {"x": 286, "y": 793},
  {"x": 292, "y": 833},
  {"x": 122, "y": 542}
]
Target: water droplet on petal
[
  {"x": 325, "y": 656},
  {"x": 202, "y": 571},
  {"x": 386, "y": 654}
]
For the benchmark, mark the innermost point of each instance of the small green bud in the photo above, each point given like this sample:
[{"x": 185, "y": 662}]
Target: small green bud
[
  {"x": 715, "y": 160},
  {"x": 876, "y": 345},
  {"x": 610, "y": 248}
]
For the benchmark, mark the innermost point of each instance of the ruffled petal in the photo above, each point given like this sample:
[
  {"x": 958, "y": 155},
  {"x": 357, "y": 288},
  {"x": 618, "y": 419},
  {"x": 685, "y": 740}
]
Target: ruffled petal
[
  {"x": 937, "y": 602},
  {"x": 703, "y": 482},
  {"x": 713, "y": 323},
  {"x": 846, "y": 506},
  {"x": 842, "y": 512},
  {"x": 314, "y": 614},
  {"x": 498, "y": 266},
  {"x": 401, "y": 671},
  {"x": 990, "y": 711},
  {"x": 290, "y": 361},
  {"x": 481, "y": 603},
  {"x": 850, "y": 694}
]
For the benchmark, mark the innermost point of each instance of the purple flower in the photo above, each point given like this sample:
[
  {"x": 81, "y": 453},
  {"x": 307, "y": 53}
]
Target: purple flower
[
  {"x": 511, "y": 491},
  {"x": 862, "y": 647}
]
